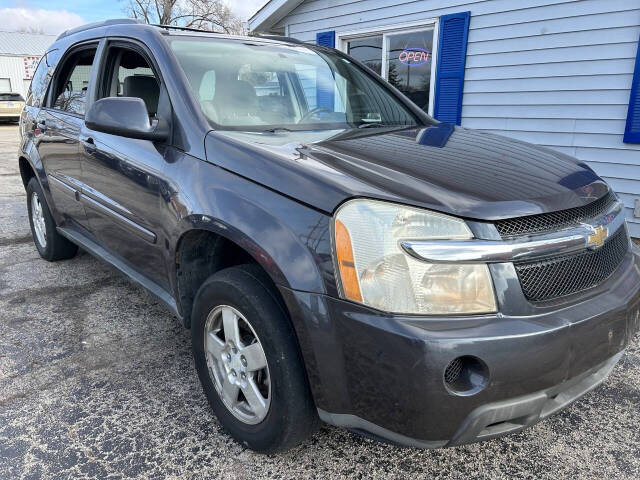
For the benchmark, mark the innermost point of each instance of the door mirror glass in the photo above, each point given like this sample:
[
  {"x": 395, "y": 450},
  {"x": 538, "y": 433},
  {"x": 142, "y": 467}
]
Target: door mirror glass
[{"x": 127, "y": 117}]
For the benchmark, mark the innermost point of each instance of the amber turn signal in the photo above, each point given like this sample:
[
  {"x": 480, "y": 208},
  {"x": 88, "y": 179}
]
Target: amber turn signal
[{"x": 346, "y": 265}]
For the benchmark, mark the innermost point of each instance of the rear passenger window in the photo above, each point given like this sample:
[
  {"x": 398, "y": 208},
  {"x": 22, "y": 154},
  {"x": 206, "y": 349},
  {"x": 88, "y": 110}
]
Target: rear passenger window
[
  {"x": 72, "y": 82},
  {"x": 130, "y": 75}
]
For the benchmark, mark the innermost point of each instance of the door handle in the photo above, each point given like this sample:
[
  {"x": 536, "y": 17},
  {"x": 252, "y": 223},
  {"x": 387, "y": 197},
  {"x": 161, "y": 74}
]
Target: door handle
[{"x": 89, "y": 144}]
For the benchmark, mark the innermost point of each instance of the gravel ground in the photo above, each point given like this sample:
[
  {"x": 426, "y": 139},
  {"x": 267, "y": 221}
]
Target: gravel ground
[{"x": 97, "y": 380}]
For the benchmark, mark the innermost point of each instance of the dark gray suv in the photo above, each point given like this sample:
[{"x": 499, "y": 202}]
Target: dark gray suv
[{"x": 338, "y": 254}]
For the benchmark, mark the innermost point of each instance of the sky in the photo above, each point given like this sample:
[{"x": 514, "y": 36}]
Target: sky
[{"x": 55, "y": 16}]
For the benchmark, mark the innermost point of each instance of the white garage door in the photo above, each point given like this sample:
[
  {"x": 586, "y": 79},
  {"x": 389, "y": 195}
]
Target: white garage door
[{"x": 5, "y": 85}]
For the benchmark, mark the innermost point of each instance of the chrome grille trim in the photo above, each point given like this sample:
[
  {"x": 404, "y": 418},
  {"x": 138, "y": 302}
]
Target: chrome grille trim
[{"x": 533, "y": 247}]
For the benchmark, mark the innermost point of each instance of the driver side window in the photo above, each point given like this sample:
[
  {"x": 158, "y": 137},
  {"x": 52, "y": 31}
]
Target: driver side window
[{"x": 130, "y": 75}]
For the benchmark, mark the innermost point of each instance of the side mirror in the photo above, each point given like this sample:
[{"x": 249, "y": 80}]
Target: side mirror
[{"x": 127, "y": 117}]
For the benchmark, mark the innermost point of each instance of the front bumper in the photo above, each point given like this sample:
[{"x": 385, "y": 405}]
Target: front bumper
[{"x": 383, "y": 375}]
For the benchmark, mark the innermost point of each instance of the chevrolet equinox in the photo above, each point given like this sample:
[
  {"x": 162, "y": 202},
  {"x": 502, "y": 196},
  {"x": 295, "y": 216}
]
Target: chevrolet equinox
[{"x": 338, "y": 255}]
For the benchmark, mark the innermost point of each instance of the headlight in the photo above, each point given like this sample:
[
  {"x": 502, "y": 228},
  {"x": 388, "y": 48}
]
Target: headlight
[{"x": 374, "y": 270}]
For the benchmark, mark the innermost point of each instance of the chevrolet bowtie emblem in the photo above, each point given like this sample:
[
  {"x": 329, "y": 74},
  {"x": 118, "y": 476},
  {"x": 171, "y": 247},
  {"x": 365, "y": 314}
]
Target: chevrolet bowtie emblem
[{"x": 597, "y": 238}]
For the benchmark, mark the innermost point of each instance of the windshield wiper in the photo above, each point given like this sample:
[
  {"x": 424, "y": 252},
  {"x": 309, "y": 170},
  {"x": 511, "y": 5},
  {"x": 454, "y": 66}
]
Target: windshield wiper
[
  {"x": 277, "y": 129},
  {"x": 377, "y": 125}
]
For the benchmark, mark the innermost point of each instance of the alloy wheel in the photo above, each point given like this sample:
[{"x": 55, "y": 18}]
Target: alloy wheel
[
  {"x": 237, "y": 364},
  {"x": 37, "y": 217}
]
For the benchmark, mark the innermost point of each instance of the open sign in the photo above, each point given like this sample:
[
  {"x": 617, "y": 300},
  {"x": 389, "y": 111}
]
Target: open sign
[{"x": 414, "y": 56}]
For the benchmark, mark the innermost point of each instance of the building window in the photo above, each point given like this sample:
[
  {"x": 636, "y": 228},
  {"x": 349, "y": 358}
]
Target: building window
[
  {"x": 368, "y": 50},
  {"x": 5, "y": 85},
  {"x": 409, "y": 58},
  {"x": 403, "y": 57}
]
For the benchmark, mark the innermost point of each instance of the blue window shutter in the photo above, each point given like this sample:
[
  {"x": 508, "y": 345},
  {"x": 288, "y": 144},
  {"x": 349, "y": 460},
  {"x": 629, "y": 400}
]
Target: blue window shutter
[
  {"x": 324, "y": 80},
  {"x": 326, "y": 39},
  {"x": 632, "y": 129},
  {"x": 452, "y": 52}
]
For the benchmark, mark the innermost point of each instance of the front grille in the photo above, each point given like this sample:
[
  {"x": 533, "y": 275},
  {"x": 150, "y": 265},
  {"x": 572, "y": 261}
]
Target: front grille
[
  {"x": 550, "y": 222},
  {"x": 557, "y": 277}
]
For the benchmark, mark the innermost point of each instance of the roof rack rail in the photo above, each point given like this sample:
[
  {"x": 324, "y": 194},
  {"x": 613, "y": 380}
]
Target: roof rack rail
[
  {"x": 104, "y": 23},
  {"x": 280, "y": 38},
  {"x": 186, "y": 29}
]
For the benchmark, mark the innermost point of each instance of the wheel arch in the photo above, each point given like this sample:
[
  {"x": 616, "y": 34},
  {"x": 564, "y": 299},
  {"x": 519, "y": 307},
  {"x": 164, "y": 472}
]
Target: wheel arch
[
  {"x": 200, "y": 252},
  {"x": 27, "y": 172},
  {"x": 31, "y": 166}
]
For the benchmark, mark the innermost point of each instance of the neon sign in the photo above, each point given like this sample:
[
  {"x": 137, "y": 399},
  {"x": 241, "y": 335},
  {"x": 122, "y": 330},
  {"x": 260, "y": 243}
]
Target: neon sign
[{"x": 414, "y": 56}]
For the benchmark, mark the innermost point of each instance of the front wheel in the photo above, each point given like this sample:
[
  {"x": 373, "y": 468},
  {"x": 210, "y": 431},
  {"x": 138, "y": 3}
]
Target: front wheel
[{"x": 248, "y": 361}]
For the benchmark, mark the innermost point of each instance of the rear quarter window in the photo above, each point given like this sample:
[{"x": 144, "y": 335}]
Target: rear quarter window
[{"x": 41, "y": 79}]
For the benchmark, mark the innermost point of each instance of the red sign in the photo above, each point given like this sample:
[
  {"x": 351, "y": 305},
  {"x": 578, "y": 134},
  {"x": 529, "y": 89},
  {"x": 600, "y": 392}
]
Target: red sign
[
  {"x": 414, "y": 56},
  {"x": 30, "y": 64}
]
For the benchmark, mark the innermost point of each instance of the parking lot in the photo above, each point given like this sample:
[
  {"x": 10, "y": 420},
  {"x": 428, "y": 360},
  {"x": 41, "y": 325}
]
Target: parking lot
[{"x": 97, "y": 380}]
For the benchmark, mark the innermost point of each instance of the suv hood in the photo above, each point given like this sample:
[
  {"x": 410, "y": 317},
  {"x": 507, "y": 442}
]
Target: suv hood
[{"x": 450, "y": 169}]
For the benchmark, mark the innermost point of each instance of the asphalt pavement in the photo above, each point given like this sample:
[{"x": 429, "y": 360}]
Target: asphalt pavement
[{"x": 97, "y": 381}]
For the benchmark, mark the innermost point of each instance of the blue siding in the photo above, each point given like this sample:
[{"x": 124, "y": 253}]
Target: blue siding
[{"x": 553, "y": 72}]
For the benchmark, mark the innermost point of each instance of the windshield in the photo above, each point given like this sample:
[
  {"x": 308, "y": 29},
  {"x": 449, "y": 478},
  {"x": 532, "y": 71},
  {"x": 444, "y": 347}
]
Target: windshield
[{"x": 253, "y": 85}]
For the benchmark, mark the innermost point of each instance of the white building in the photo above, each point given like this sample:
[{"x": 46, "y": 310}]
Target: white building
[
  {"x": 557, "y": 73},
  {"x": 19, "y": 56}
]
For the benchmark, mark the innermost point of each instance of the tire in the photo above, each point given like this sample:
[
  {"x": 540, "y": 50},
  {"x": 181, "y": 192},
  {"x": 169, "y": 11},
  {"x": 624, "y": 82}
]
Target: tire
[
  {"x": 52, "y": 246},
  {"x": 291, "y": 416}
]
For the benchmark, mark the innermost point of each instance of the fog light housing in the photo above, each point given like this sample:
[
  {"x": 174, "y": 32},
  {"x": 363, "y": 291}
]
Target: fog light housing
[{"x": 466, "y": 375}]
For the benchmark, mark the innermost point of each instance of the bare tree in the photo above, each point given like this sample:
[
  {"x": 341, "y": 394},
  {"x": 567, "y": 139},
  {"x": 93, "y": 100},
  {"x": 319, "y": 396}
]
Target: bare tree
[
  {"x": 212, "y": 15},
  {"x": 31, "y": 29}
]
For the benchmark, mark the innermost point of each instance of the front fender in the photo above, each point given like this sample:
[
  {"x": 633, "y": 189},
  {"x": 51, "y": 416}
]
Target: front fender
[{"x": 289, "y": 240}]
